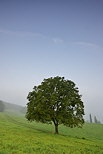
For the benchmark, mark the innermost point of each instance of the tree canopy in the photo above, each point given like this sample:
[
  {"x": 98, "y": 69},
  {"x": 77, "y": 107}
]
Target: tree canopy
[{"x": 57, "y": 101}]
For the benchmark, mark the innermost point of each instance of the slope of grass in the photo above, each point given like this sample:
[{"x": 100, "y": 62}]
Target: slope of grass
[
  {"x": 13, "y": 107},
  {"x": 19, "y": 136}
]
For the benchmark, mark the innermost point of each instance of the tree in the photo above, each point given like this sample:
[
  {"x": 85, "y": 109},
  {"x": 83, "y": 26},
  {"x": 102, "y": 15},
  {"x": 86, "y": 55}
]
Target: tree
[
  {"x": 90, "y": 116},
  {"x": 96, "y": 121},
  {"x": 2, "y": 106},
  {"x": 57, "y": 101}
]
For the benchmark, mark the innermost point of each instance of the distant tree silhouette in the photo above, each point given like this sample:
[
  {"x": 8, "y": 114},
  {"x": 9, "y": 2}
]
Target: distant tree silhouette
[
  {"x": 96, "y": 121},
  {"x": 2, "y": 106},
  {"x": 90, "y": 116}
]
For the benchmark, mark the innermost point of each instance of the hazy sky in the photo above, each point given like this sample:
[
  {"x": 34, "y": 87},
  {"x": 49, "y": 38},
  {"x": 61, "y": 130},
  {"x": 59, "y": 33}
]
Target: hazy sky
[{"x": 41, "y": 39}]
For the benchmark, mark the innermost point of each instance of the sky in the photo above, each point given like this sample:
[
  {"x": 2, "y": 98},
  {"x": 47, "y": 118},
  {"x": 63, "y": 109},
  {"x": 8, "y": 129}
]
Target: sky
[{"x": 46, "y": 38}]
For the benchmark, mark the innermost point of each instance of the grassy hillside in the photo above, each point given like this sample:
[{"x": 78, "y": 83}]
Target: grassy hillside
[
  {"x": 13, "y": 107},
  {"x": 18, "y": 136}
]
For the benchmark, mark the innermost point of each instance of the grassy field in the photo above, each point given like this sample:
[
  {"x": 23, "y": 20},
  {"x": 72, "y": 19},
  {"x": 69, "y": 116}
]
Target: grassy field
[{"x": 18, "y": 136}]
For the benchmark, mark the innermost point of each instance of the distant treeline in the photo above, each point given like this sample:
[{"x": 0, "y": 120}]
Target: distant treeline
[
  {"x": 94, "y": 119},
  {"x": 2, "y": 106}
]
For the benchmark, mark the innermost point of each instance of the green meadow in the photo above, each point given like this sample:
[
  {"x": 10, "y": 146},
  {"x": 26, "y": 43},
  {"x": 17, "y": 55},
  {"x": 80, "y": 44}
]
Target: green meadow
[{"x": 18, "y": 136}]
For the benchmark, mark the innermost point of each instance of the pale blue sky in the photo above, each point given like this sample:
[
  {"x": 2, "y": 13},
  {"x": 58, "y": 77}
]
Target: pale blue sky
[{"x": 40, "y": 39}]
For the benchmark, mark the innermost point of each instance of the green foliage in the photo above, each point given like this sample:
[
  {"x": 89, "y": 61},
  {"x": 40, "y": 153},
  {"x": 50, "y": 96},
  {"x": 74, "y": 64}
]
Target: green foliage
[
  {"x": 20, "y": 137},
  {"x": 2, "y": 106},
  {"x": 56, "y": 100}
]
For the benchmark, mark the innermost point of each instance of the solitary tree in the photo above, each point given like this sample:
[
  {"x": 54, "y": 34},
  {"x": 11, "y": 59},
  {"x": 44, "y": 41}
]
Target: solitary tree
[
  {"x": 56, "y": 100},
  {"x": 2, "y": 106}
]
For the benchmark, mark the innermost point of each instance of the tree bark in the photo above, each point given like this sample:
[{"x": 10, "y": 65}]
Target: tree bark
[
  {"x": 56, "y": 126},
  {"x": 56, "y": 129}
]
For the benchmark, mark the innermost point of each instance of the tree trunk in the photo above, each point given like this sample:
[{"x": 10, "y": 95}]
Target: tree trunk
[{"x": 56, "y": 129}]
